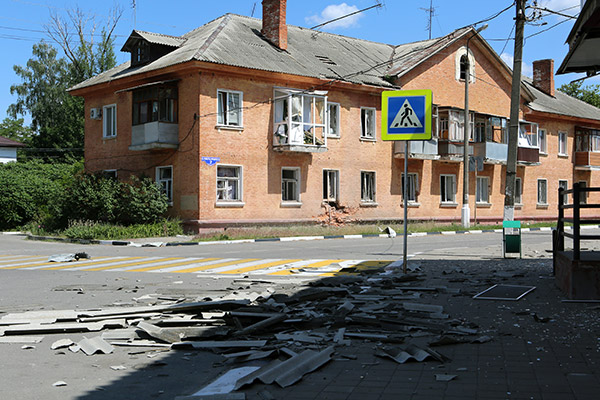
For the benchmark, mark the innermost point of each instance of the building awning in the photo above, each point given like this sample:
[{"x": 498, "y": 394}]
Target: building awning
[
  {"x": 145, "y": 85},
  {"x": 584, "y": 42}
]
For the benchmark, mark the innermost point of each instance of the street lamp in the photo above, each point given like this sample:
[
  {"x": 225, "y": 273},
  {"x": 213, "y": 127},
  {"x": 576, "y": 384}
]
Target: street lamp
[{"x": 466, "y": 212}]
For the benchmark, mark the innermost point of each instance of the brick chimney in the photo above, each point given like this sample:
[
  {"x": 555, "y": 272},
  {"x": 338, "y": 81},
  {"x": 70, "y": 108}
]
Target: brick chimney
[
  {"x": 543, "y": 76},
  {"x": 274, "y": 27}
]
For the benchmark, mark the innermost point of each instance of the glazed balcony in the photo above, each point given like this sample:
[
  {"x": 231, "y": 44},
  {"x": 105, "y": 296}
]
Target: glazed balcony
[
  {"x": 420, "y": 149},
  {"x": 452, "y": 151},
  {"x": 492, "y": 152}
]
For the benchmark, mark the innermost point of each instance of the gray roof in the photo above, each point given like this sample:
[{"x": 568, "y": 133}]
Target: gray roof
[
  {"x": 561, "y": 104},
  {"x": 155, "y": 38}
]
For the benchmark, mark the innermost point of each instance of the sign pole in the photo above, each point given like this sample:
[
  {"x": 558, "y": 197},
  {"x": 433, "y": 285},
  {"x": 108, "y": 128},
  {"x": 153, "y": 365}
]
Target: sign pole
[{"x": 405, "y": 191}]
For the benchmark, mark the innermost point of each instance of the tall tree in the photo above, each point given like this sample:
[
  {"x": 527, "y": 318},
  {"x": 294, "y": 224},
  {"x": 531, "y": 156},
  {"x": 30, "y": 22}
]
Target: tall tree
[
  {"x": 590, "y": 94},
  {"x": 14, "y": 129},
  {"x": 57, "y": 117}
]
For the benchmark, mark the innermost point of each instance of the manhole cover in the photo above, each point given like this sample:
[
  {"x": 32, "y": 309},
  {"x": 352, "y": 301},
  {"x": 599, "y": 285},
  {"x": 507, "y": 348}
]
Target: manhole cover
[{"x": 504, "y": 292}]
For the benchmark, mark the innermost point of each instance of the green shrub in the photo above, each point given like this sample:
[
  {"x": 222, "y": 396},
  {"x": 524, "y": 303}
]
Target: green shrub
[
  {"x": 141, "y": 201},
  {"x": 98, "y": 230}
]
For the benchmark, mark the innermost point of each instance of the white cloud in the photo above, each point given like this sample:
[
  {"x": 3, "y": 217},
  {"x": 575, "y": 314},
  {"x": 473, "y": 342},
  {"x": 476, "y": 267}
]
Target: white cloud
[
  {"x": 334, "y": 11},
  {"x": 526, "y": 69}
]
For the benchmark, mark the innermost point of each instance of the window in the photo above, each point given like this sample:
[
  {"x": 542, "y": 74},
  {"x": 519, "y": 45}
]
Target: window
[
  {"x": 518, "y": 191},
  {"x": 110, "y": 173},
  {"x": 583, "y": 195},
  {"x": 543, "y": 141},
  {"x": 528, "y": 134},
  {"x": 367, "y": 123},
  {"x": 229, "y": 108},
  {"x": 562, "y": 184},
  {"x": 155, "y": 103},
  {"x": 299, "y": 118},
  {"x": 141, "y": 53},
  {"x": 483, "y": 195},
  {"x": 367, "y": 188},
  {"x": 333, "y": 126},
  {"x": 447, "y": 188},
  {"x": 462, "y": 60},
  {"x": 109, "y": 121},
  {"x": 562, "y": 143},
  {"x": 464, "y": 64},
  {"x": 290, "y": 184},
  {"x": 229, "y": 183},
  {"x": 542, "y": 192},
  {"x": 331, "y": 185},
  {"x": 164, "y": 178},
  {"x": 411, "y": 187}
]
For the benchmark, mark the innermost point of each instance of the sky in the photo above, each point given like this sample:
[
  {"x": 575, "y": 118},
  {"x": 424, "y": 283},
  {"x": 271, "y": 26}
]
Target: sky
[{"x": 22, "y": 24}]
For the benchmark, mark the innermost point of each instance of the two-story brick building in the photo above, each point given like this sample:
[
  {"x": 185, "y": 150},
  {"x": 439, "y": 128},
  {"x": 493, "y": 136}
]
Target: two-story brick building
[{"x": 243, "y": 120}]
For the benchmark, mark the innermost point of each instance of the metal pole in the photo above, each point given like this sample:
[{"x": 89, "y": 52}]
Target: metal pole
[
  {"x": 466, "y": 212},
  {"x": 404, "y": 190},
  {"x": 513, "y": 133}
]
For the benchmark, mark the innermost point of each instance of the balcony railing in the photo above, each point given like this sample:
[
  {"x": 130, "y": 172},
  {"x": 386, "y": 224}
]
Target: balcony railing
[
  {"x": 587, "y": 159},
  {"x": 452, "y": 151},
  {"x": 528, "y": 155},
  {"x": 154, "y": 135},
  {"x": 491, "y": 152},
  {"x": 422, "y": 149}
]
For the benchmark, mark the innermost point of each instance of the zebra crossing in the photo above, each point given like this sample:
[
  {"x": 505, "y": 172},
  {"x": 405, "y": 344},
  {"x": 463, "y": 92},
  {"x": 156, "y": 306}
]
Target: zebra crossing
[{"x": 196, "y": 265}]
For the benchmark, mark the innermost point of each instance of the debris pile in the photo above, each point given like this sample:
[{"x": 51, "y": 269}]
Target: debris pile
[{"x": 298, "y": 330}]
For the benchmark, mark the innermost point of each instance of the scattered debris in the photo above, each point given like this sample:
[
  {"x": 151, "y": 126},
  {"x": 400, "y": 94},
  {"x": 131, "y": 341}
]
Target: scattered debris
[
  {"x": 59, "y": 344},
  {"x": 95, "y": 345},
  {"x": 504, "y": 292},
  {"x": 59, "y": 383},
  {"x": 21, "y": 339},
  {"x": 69, "y": 257},
  {"x": 444, "y": 377},
  {"x": 409, "y": 352}
]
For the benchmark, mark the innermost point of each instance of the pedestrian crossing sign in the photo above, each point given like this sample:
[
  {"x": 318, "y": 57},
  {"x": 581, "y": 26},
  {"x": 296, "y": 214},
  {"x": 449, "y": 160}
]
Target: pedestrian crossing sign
[{"x": 406, "y": 114}]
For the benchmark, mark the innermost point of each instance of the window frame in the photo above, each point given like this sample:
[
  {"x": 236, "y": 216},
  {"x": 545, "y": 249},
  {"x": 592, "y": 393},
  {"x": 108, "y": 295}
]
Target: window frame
[
  {"x": 539, "y": 200},
  {"x": 289, "y": 128},
  {"x": 163, "y": 97},
  {"x": 479, "y": 199},
  {"x": 443, "y": 193},
  {"x": 296, "y": 181},
  {"x": 110, "y": 173},
  {"x": 412, "y": 187},
  {"x": 363, "y": 115},
  {"x": 518, "y": 191},
  {"x": 239, "y": 186},
  {"x": 583, "y": 195},
  {"x": 222, "y": 115},
  {"x": 563, "y": 142},
  {"x": 327, "y": 185},
  {"x": 337, "y": 118},
  {"x": 168, "y": 188},
  {"x": 459, "y": 66},
  {"x": 105, "y": 123},
  {"x": 543, "y": 141},
  {"x": 371, "y": 177},
  {"x": 566, "y": 187}
]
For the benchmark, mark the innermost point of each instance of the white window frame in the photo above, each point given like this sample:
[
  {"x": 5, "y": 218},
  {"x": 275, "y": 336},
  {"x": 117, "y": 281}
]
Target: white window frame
[
  {"x": 543, "y": 141},
  {"x": 223, "y": 116},
  {"x": 336, "y": 111},
  {"x": 364, "y": 113},
  {"x": 565, "y": 184},
  {"x": 331, "y": 187},
  {"x": 482, "y": 190},
  {"x": 368, "y": 187},
  {"x": 459, "y": 53},
  {"x": 518, "y": 191},
  {"x": 292, "y": 129},
  {"x": 236, "y": 179},
  {"x": 290, "y": 181},
  {"x": 166, "y": 184},
  {"x": 562, "y": 143},
  {"x": 444, "y": 194},
  {"x": 542, "y": 197},
  {"x": 109, "y": 128},
  {"x": 413, "y": 184}
]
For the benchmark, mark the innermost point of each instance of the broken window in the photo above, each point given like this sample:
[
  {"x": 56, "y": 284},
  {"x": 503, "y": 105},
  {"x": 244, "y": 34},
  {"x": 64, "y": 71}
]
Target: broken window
[
  {"x": 447, "y": 188},
  {"x": 464, "y": 64},
  {"x": 229, "y": 183},
  {"x": 331, "y": 185},
  {"x": 518, "y": 191},
  {"x": 411, "y": 188},
  {"x": 155, "y": 103},
  {"x": 299, "y": 118},
  {"x": 542, "y": 192},
  {"x": 229, "y": 108},
  {"x": 564, "y": 185},
  {"x": 367, "y": 119},
  {"x": 290, "y": 184},
  {"x": 334, "y": 120},
  {"x": 109, "y": 121},
  {"x": 367, "y": 189},
  {"x": 528, "y": 134},
  {"x": 164, "y": 178},
  {"x": 483, "y": 195},
  {"x": 110, "y": 173}
]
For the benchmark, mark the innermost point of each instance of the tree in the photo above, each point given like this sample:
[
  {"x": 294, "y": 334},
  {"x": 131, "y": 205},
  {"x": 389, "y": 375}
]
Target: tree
[
  {"x": 13, "y": 129},
  {"x": 590, "y": 94},
  {"x": 57, "y": 118}
]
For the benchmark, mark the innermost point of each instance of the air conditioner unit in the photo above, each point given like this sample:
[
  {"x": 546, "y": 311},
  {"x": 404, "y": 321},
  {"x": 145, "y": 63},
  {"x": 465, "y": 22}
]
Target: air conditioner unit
[{"x": 95, "y": 113}]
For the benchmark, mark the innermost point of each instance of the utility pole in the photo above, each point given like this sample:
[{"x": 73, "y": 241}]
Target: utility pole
[{"x": 515, "y": 101}]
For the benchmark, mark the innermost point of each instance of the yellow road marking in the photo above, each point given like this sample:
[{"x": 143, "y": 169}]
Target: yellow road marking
[
  {"x": 16, "y": 259},
  {"x": 317, "y": 264},
  {"x": 199, "y": 260},
  {"x": 71, "y": 265},
  {"x": 259, "y": 266},
  {"x": 211, "y": 266},
  {"x": 37, "y": 264},
  {"x": 134, "y": 263}
]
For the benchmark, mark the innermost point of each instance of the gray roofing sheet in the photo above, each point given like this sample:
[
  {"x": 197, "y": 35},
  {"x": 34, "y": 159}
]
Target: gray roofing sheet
[
  {"x": 159, "y": 38},
  {"x": 561, "y": 104}
]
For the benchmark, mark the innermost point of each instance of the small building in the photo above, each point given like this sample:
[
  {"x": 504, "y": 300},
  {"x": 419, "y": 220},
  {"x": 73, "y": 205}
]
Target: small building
[
  {"x": 8, "y": 149},
  {"x": 253, "y": 121}
]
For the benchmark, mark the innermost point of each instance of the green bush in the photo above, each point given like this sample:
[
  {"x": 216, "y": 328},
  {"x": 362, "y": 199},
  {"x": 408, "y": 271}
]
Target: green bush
[
  {"x": 140, "y": 202},
  {"x": 27, "y": 190},
  {"x": 98, "y": 230}
]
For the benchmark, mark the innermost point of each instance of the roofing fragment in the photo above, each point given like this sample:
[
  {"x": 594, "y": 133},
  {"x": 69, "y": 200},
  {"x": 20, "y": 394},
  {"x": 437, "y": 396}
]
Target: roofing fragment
[
  {"x": 409, "y": 352},
  {"x": 95, "y": 345}
]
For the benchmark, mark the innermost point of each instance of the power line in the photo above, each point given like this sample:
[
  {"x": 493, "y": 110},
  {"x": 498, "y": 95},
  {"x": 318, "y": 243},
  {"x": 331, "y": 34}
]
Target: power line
[{"x": 347, "y": 15}]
